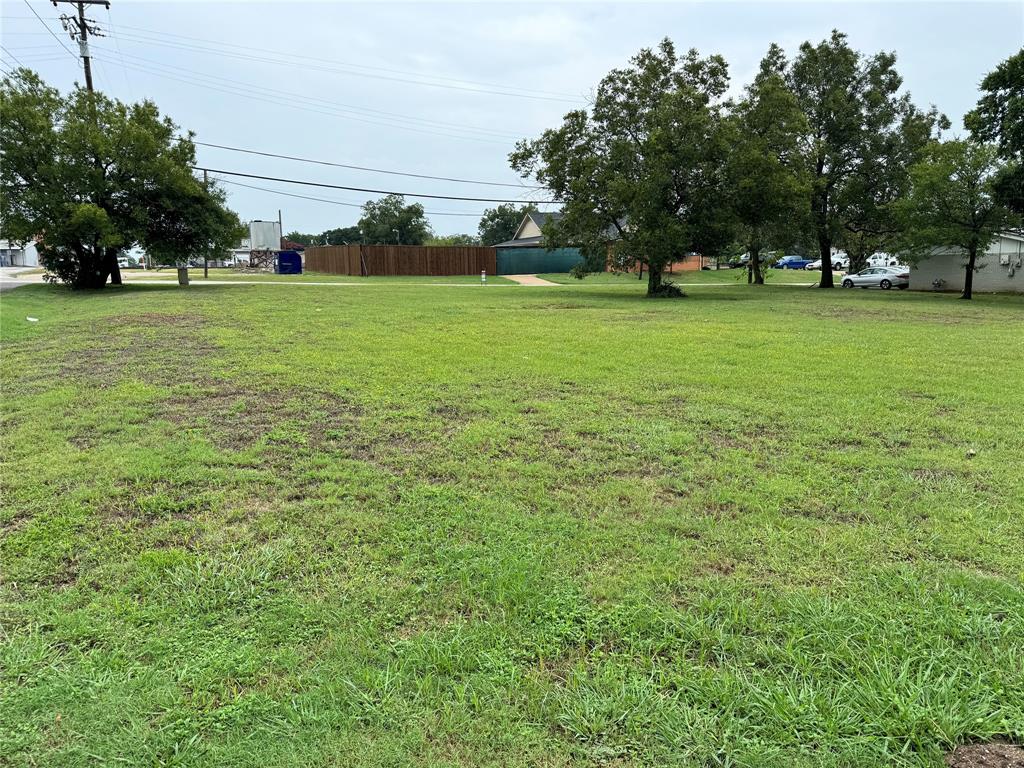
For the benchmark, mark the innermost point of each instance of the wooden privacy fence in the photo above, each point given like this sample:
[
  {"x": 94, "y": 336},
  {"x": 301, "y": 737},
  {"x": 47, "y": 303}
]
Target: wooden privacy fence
[{"x": 400, "y": 260}]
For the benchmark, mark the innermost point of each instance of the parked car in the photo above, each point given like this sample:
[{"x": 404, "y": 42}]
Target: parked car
[
  {"x": 838, "y": 263},
  {"x": 878, "y": 277},
  {"x": 883, "y": 260},
  {"x": 792, "y": 262}
]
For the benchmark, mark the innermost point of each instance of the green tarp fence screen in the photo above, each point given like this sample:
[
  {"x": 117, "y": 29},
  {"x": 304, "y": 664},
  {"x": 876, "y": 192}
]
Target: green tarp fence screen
[{"x": 530, "y": 261}]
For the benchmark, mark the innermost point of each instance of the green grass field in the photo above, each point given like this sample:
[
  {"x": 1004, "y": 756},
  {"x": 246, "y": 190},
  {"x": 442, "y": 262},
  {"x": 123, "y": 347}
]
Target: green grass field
[
  {"x": 196, "y": 275},
  {"x": 529, "y": 527},
  {"x": 730, "y": 276}
]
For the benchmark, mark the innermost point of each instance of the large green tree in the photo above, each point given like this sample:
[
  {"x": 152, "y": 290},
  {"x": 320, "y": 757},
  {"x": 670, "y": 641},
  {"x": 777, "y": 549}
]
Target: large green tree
[
  {"x": 999, "y": 118},
  {"x": 642, "y": 173},
  {"x": 390, "y": 221},
  {"x": 953, "y": 201},
  {"x": 94, "y": 176},
  {"x": 500, "y": 223},
  {"x": 855, "y": 113},
  {"x": 767, "y": 183}
]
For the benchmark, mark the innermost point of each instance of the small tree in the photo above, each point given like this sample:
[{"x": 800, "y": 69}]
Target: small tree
[
  {"x": 390, "y": 221},
  {"x": 642, "y": 175},
  {"x": 189, "y": 221},
  {"x": 767, "y": 183},
  {"x": 500, "y": 224},
  {"x": 93, "y": 177},
  {"x": 952, "y": 202}
]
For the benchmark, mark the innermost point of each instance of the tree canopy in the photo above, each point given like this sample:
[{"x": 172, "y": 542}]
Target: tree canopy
[
  {"x": 390, "y": 221},
  {"x": 93, "y": 177},
  {"x": 953, "y": 202},
  {"x": 500, "y": 223},
  {"x": 641, "y": 174},
  {"x": 999, "y": 118}
]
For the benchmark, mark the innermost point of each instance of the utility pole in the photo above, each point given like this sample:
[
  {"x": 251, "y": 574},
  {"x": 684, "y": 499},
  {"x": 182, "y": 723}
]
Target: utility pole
[
  {"x": 80, "y": 28},
  {"x": 206, "y": 256}
]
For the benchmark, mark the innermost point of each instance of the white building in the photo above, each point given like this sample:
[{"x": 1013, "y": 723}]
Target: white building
[
  {"x": 15, "y": 255},
  {"x": 263, "y": 236},
  {"x": 999, "y": 270}
]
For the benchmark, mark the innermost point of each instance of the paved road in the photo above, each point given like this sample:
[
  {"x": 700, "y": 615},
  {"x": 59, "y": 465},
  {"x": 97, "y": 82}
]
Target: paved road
[{"x": 9, "y": 277}]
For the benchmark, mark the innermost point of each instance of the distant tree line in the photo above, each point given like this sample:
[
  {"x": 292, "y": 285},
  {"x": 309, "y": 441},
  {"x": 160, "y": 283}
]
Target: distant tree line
[
  {"x": 390, "y": 221},
  {"x": 822, "y": 151}
]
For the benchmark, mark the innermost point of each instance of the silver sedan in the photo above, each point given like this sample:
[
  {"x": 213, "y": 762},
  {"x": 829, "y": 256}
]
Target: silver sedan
[{"x": 879, "y": 277}]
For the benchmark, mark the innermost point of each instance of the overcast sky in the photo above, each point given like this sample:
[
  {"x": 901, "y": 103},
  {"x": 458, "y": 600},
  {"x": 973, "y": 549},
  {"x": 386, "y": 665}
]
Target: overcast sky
[{"x": 446, "y": 89}]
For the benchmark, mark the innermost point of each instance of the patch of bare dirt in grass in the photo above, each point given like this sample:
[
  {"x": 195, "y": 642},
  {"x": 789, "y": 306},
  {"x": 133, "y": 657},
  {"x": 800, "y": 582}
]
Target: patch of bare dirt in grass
[
  {"x": 127, "y": 347},
  {"x": 991, "y": 755},
  {"x": 934, "y": 475},
  {"x": 831, "y": 512}
]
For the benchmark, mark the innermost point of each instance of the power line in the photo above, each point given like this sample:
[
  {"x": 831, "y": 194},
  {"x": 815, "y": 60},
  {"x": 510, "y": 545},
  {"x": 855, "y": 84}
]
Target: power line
[
  {"x": 337, "y": 112},
  {"x": 158, "y": 37},
  {"x": 52, "y": 33},
  {"x": 361, "y": 168},
  {"x": 13, "y": 57},
  {"x": 370, "y": 191},
  {"x": 327, "y": 102},
  {"x": 328, "y": 200},
  {"x": 117, "y": 42}
]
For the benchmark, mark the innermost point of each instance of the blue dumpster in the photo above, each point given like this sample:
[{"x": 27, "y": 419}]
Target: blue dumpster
[{"x": 289, "y": 263}]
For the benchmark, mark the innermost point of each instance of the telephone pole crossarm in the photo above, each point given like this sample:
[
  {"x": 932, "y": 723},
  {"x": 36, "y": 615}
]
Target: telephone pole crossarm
[{"x": 80, "y": 28}]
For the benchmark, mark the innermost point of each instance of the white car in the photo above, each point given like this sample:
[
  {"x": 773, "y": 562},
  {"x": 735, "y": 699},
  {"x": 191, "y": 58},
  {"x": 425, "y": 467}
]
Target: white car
[
  {"x": 838, "y": 263},
  {"x": 879, "y": 277},
  {"x": 883, "y": 260}
]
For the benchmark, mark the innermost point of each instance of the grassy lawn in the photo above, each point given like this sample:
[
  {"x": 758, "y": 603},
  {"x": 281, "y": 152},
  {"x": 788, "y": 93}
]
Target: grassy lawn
[
  {"x": 309, "y": 277},
  {"x": 252, "y": 527},
  {"x": 737, "y": 276}
]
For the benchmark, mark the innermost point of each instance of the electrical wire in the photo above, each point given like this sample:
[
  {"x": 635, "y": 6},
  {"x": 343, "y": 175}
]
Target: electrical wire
[
  {"x": 328, "y": 200},
  {"x": 327, "y": 102},
  {"x": 360, "y": 167},
  {"x": 52, "y": 33},
  {"x": 117, "y": 43},
  {"x": 370, "y": 191},
  {"x": 13, "y": 57},
  {"x": 146, "y": 36},
  {"x": 338, "y": 113}
]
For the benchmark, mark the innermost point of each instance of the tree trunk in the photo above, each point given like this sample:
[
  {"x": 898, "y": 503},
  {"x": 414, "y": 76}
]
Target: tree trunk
[
  {"x": 113, "y": 266},
  {"x": 819, "y": 207},
  {"x": 93, "y": 268},
  {"x": 858, "y": 261},
  {"x": 825, "y": 252},
  {"x": 755, "y": 266},
  {"x": 972, "y": 254},
  {"x": 653, "y": 280}
]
